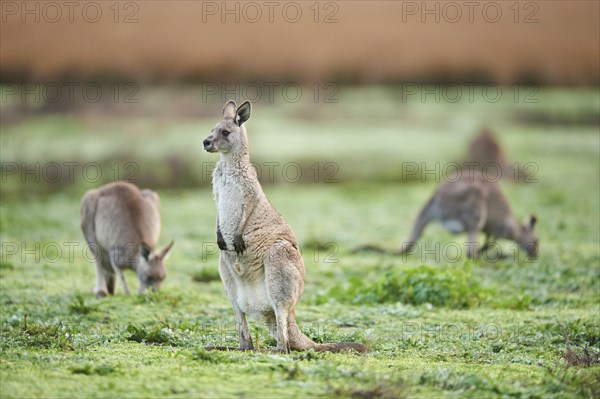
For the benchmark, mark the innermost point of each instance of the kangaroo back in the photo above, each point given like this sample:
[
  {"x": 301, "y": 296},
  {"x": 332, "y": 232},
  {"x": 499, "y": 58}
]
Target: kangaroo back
[
  {"x": 88, "y": 207},
  {"x": 126, "y": 216},
  {"x": 485, "y": 150}
]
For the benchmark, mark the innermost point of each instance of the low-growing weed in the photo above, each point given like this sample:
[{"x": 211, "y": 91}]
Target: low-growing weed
[
  {"x": 451, "y": 286},
  {"x": 79, "y": 306},
  {"x": 156, "y": 335},
  {"x": 206, "y": 275}
]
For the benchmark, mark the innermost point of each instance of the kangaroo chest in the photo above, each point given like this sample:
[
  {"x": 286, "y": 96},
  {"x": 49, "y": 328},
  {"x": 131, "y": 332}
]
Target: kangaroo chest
[{"x": 230, "y": 204}]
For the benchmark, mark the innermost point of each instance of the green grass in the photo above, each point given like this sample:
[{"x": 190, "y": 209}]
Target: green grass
[{"x": 435, "y": 328}]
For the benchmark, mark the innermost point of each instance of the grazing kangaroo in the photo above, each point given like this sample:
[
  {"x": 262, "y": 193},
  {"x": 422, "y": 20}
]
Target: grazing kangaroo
[
  {"x": 121, "y": 225},
  {"x": 260, "y": 262},
  {"x": 472, "y": 204}
]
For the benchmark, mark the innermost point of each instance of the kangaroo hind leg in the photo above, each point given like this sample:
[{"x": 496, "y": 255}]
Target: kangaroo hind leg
[{"x": 284, "y": 275}]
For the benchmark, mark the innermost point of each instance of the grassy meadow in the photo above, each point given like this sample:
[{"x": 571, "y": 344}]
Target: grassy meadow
[{"x": 436, "y": 324}]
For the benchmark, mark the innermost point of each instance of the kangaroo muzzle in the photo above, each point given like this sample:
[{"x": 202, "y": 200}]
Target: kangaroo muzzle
[{"x": 208, "y": 145}]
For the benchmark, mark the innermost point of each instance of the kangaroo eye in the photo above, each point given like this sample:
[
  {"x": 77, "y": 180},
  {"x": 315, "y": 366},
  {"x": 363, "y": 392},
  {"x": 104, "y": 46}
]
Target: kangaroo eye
[{"x": 225, "y": 133}]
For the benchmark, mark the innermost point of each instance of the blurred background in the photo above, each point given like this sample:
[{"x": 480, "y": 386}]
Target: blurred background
[
  {"x": 348, "y": 91},
  {"x": 360, "y": 108}
]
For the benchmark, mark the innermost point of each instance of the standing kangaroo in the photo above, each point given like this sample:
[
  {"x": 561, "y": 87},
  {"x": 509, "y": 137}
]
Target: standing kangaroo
[
  {"x": 472, "y": 204},
  {"x": 260, "y": 262},
  {"x": 121, "y": 225}
]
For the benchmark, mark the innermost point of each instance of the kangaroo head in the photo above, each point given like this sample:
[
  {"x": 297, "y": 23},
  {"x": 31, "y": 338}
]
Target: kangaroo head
[
  {"x": 228, "y": 136},
  {"x": 151, "y": 268},
  {"x": 527, "y": 238}
]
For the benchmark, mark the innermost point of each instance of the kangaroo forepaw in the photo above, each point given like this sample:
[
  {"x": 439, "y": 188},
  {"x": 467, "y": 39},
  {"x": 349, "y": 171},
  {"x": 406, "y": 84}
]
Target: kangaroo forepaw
[
  {"x": 239, "y": 245},
  {"x": 221, "y": 242}
]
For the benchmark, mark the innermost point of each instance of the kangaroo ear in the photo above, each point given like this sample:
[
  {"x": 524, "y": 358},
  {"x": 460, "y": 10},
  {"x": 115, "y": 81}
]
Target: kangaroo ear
[
  {"x": 243, "y": 112},
  {"x": 530, "y": 221},
  {"x": 163, "y": 254},
  {"x": 229, "y": 110},
  {"x": 145, "y": 251}
]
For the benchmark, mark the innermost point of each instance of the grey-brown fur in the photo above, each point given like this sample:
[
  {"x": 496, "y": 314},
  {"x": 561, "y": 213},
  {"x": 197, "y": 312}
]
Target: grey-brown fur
[
  {"x": 121, "y": 225},
  {"x": 486, "y": 154},
  {"x": 474, "y": 204},
  {"x": 260, "y": 262}
]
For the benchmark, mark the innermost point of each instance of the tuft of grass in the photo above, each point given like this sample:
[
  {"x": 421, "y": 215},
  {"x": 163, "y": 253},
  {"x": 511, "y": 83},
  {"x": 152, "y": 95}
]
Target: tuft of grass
[
  {"x": 206, "y": 275},
  {"x": 321, "y": 333},
  {"x": 516, "y": 302},
  {"x": 447, "y": 379},
  {"x": 157, "y": 335},
  {"x": 381, "y": 391},
  {"x": 581, "y": 354},
  {"x": 6, "y": 265},
  {"x": 46, "y": 335},
  {"x": 585, "y": 383},
  {"x": 308, "y": 355},
  {"x": 159, "y": 297},
  {"x": 79, "y": 306},
  {"x": 199, "y": 353},
  {"x": 581, "y": 357},
  {"x": 450, "y": 286},
  {"x": 92, "y": 369}
]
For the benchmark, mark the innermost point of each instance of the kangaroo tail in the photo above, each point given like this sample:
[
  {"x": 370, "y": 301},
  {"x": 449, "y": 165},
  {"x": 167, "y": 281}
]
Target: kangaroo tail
[
  {"x": 340, "y": 347},
  {"x": 300, "y": 342},
  {"x": 221, "y": 348},
  {"x": 424, "y": 218}
]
